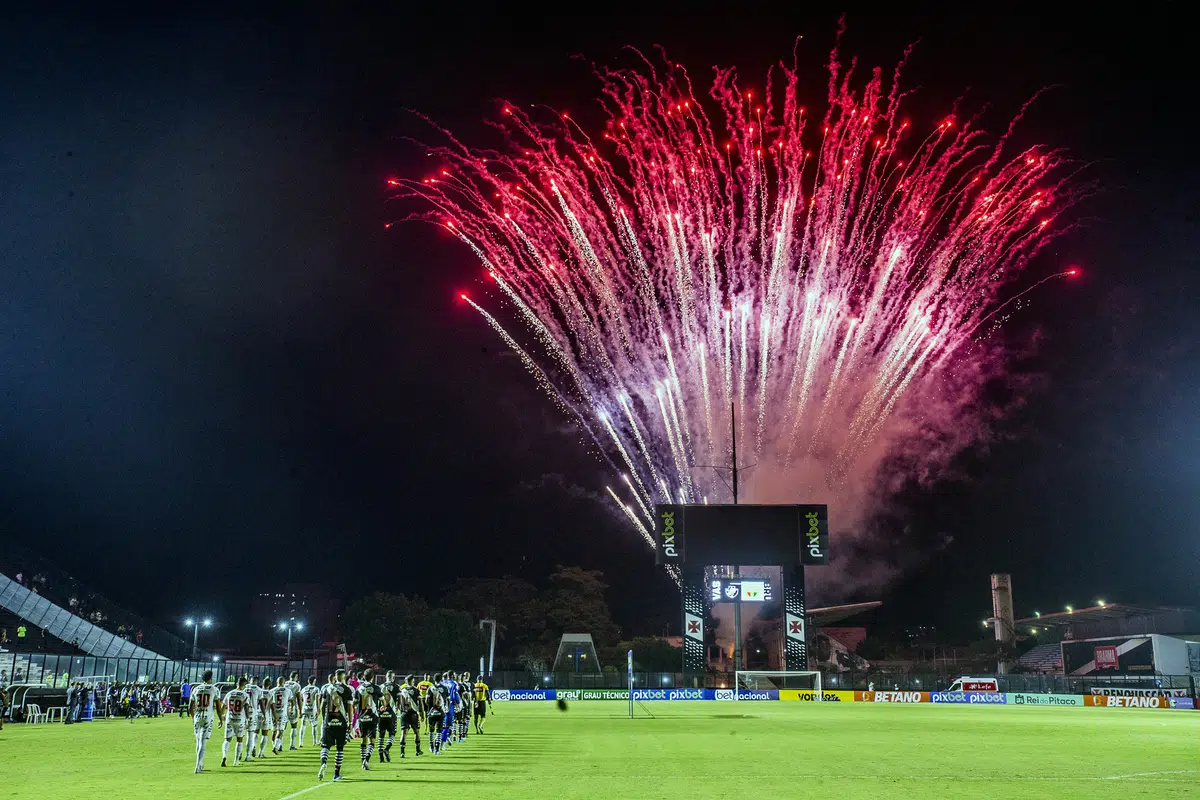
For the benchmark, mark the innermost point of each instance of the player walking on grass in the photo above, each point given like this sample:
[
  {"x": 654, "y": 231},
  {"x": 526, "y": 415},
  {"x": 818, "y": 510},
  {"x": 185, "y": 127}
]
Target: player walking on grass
[
  {"x": 409, "y": 705},
  {"x": 388, "y": 702},
  {"x": 293, "y": 718},
  {"x": 483, "y": 699},
  {"x": 336, "y": 705},
  {"x": 465, "y": 693},
  {"x": 435, "y": 713},
  {"x": 309, "y": 696},
  {"x": 204, "y": 705},
  {"x": 449, "y": 701},
  {"x": 237, "y": 706},
  {"x": 254, "y": 693},
  {"x": 266, "y": 720},
  {"x": 281, "y": 710},
  {"x": 367, "y": 705}
]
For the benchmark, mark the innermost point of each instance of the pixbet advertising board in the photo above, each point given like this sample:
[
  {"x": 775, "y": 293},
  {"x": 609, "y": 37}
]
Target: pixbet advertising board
[{"x": 743, "y": 534}]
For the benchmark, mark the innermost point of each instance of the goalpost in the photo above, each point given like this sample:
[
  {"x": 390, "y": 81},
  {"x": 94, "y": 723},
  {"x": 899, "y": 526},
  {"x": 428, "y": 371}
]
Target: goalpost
[{"x": 763, "y": 680}]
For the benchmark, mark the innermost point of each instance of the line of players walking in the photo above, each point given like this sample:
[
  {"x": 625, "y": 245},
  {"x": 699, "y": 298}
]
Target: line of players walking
[{"x": 255, "y": 716}]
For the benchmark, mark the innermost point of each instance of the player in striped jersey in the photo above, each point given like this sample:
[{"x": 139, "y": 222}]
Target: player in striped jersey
[
  {"x": 237, "y": 707},
  {"x": 464, "y": 713},
  {"x": 309, "y": 697},
  {"x": 409, "y": 705},
  {"x": 204, "y": 706},
  {"x": 293, "y": 719},
  {"x": 336, "y": 702},
  {"x": 435, "y": 709},
  {"x": 367, "y": 704}
]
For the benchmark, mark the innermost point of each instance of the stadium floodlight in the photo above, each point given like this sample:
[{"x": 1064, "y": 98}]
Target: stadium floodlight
[
  {"x": 1070, "y": 609},
  {"x": 1037, "y": 614},
  {"x": 1101, "y": 603},
  {"x": 216, "y": 659},
  {"x": 290, "y": 626},
  {"x": 194, "y": 623},
  {"x": 1033, "y": 631}
]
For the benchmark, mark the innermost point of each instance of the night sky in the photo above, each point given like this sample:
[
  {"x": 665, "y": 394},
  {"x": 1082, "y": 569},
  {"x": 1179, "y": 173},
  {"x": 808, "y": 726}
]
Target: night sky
[{"x": 220, "y": 372}]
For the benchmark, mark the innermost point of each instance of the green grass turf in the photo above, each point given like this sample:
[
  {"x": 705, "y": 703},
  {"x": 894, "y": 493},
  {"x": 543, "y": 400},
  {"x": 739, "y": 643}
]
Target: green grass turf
[{"x": 689, "y": 750}]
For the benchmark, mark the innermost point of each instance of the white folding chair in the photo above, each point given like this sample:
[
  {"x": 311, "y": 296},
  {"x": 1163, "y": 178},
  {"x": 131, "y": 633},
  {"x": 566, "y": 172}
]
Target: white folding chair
[{"x": 33, "y": 714}]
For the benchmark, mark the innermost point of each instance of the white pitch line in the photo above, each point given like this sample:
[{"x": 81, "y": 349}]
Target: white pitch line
[
  {"x": 305, "y": 791},
  {"x": 1148, "y": 774}
]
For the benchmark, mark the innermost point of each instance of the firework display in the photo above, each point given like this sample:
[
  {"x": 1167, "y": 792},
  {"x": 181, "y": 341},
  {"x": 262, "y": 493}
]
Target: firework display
[{"x": 822, "y": 287}]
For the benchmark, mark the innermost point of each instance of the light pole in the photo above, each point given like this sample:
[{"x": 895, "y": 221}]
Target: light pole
[
  {"x": 289, "y": 627},
  {"x": 196, "y": 623},
  {"x": 491, "y": 646}
]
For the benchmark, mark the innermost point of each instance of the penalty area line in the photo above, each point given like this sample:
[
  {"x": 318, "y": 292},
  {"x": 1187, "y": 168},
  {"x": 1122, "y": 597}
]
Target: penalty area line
[{"x": 306, "y": 791}]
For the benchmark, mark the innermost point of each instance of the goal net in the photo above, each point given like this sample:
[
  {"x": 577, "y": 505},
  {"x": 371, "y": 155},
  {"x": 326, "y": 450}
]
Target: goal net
[{"x": 752, "y": 681}]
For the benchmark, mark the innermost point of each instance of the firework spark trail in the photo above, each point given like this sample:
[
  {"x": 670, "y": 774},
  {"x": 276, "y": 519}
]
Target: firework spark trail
[{"x": 677, "y": 264}]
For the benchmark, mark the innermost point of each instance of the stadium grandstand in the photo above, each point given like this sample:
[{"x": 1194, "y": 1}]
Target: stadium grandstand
[
  {"x": 43, "y": 610},
  {"x": 1113, "y": 639}
]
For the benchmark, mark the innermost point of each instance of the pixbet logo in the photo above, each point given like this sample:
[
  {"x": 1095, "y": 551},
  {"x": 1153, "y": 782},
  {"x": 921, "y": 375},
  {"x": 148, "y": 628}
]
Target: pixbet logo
[
  {"x": 686, "y": 694},
  {"x": 814, "y": 535},
  {"x": 668, "y": 534}
]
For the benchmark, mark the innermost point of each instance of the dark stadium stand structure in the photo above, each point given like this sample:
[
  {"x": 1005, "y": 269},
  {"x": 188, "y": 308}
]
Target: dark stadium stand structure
[
  {"x": 33, "y": 642},
  {"x": 77, "y": 611},
  {"x": 1114, "y": 619},
  {"x": 1043, "y": 658}
]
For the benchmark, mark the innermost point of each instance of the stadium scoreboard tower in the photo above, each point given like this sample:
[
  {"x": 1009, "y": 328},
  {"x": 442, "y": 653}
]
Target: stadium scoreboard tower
[{"x": 694, "y": 537}]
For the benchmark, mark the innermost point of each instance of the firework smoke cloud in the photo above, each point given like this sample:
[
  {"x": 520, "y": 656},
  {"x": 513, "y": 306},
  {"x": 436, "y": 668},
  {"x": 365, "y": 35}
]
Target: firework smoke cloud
[{"x": 828, "y": 280}]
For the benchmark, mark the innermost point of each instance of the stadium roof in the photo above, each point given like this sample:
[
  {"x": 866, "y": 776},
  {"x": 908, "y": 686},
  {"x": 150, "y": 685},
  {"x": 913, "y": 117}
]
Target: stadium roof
[
  {"x": 832, "y": 614},
  {"x": 1108, "y": 611}
]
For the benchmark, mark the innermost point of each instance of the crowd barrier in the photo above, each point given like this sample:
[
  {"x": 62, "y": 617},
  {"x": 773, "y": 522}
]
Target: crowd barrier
[{"x": 1163, "y": 701}]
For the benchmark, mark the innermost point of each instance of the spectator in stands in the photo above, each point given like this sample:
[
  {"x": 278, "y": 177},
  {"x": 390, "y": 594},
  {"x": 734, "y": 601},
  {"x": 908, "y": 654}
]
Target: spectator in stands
[
  {"x": 3, "y": 676},
  {"x": 139, "y": 638},
  {"x": 4, "y": 636},
  {"x": 21, "y": 634},
  {"x": 18, "y": 676}
]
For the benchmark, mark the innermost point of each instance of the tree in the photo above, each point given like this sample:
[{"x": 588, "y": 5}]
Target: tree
[
  {"x": 450, "y": 638},
  {"x": 575, "y": 604},
  {"x": 387, "y": 627},
  {"x": 514, "y": 603},
  {"x": 652, "y": 654}
]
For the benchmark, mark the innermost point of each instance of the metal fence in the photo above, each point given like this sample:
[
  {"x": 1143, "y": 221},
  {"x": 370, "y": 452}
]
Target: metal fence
[
  {"x": 860, "y": 681},
  {"x": 65, "y": 591},
  {"x": 58, "y": 670}
]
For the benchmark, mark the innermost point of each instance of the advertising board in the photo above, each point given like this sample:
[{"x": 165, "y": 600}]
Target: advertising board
[
  {"x": 970, "y": 698},
  {"x": 1023, "y": 699},
  {"x": 808, "y": 696},
  {"x": 892, "y": 697}
]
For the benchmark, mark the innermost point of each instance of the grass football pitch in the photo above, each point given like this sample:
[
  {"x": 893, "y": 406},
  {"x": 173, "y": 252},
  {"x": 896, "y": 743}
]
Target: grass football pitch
[{"x": 688, "y": 750}]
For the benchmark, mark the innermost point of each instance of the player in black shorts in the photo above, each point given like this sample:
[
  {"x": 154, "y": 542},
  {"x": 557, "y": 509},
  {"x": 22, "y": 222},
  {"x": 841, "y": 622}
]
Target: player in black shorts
[
  {"x": 409, "y": 706},
  {"x": 336, "y": 705},
  {"x": 483, "y": 696},
  {"x": 367, "y": 705},
  {"x": 435, "y": 712},
  {"x": 387, "y": 716},
  {"x": 464, "y": 693}
]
